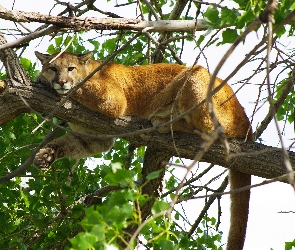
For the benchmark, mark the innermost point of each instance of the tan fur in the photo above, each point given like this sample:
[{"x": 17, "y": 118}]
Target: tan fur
[{"x": 150, "y": 92}]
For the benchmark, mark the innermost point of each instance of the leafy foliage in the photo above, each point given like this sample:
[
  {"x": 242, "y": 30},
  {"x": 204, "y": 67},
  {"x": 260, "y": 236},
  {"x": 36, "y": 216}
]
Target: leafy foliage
[
  {"x": 289, "y": 245},
  {"x": 286, "y": 110}
]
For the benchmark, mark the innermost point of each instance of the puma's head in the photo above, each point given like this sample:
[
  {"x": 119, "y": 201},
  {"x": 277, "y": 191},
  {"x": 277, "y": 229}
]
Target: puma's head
[{"x": 63, "y": 72}]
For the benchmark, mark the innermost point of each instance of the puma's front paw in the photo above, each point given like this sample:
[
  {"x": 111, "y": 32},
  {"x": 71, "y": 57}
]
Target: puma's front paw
[{"x": 44, "y": 158}]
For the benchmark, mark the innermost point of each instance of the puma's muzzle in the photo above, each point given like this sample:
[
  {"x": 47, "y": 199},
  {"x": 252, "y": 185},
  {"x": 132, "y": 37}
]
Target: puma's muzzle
[{"x": 62, "y": 87}]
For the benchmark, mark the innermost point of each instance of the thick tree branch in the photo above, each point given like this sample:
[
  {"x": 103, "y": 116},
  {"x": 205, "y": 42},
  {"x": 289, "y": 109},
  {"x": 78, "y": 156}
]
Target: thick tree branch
[
  {"x": 256, "y": 159},
  {"x": 84, "y": 24}
]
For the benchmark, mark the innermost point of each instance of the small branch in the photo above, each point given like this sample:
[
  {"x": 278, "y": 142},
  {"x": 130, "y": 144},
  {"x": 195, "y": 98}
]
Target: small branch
[
  {"x": 71, "y": 173},
  {"x": 269, "y": 19},
  {"x": 98, "y": 194},
  {"x": 212, "y": 198},
  {"x": 14, "y": 69},
  {"x": 28, "y": 38},
  {"x": 199, "y": 176},
  {"x": 151, "y": 9},
  {"x": 175, "y": 14},
  {"x": 282, "y": 178},
  {"x": 107, "y": 13},
  {"x": 263, "y": 125},
  {"x": 129, "y": 156}
]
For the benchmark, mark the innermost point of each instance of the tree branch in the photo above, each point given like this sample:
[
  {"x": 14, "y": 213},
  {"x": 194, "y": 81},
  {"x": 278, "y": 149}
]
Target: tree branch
[
  {"x": 84, "y": 24},
  {"x": 31, "y": 36},
  {"x": 251, "y": 158}
]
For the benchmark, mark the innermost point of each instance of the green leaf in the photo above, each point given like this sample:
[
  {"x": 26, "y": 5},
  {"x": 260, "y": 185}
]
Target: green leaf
[
  {"x": 229, "y": 16},
  {"x": 281, "y": 31},
  {"x": 110, "y": 45},
  {"x": 153, "y": 175},
  {"x": 119, "y": 214},
  {"x": 117, "y": 199},
  {"x": 166, "y": 245},
  {"x": 229, "y": 35},
  {"x": 184, "y": 242},
  {"x": 127, "y": 210},
  {"x": 25, "y": 62},
  {"x": 84, "y": 241},
  {"x": 200, "y": 40},
  {"x": 212, "y": 14},
  {"x": 58, "y": 41},
  {"x": 242, "y": 3},
  {"x": 95, "y": 43},
  {"x": 160, "y": 206},
  {"x": 99, "y": 231},
  {"x": 121, "y": 176},
  {"x": 3, "y": 75},
  {"x": 91, "y": 219},
  {"x": 51, "y": 49},
  {"x": 244, "y": 19},
  {"x": 289, "y": 245}
]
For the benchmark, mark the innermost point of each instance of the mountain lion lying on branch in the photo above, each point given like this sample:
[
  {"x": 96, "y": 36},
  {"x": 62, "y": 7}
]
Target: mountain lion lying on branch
[{"x": 155, "y": 92}]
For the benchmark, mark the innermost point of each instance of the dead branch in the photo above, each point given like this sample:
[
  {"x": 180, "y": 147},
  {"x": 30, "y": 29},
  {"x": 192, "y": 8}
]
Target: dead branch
[{"x": 84, "y": 24}]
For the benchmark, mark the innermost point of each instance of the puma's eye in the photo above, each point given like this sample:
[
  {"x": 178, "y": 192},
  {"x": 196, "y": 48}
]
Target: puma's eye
[
  {"x": 71, "y": 68},
  {"x": 53, "y": 69}
]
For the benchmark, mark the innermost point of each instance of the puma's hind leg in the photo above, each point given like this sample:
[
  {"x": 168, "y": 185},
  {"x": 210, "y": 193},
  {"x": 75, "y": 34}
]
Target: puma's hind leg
[
  {"x": 71, "y": 146},
  {"x": 179, "y": 125}
]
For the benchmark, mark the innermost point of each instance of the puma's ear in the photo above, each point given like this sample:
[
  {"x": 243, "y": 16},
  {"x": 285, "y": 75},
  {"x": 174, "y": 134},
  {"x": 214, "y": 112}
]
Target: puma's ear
[
  {"x": 44, "y": 58},
  {"x": 84, "y": 57}
]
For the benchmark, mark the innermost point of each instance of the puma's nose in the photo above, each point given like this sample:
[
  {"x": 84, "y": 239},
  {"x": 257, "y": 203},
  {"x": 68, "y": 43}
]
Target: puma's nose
[{"x": 61, "y": 83}]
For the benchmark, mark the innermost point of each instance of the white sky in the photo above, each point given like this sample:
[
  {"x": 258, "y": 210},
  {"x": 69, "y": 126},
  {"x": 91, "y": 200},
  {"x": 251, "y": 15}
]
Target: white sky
[{"x": 267, "y": 227}]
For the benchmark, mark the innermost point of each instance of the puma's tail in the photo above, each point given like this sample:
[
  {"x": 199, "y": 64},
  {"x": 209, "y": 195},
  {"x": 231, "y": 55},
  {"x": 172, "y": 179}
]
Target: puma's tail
[{"x": 239, "y": 210}]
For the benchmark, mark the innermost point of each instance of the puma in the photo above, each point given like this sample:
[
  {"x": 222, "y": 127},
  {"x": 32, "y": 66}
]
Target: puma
[{"x": 154, "y": 92}]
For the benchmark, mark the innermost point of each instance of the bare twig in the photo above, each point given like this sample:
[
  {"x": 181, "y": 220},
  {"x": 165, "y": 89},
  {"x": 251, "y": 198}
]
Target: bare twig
[
  {"x": 282, "y": 178},
  {"x": 151, "y": 9},
  {"x": 190, "y": 181},
  {"x": 29, "y": 37},
  {"x": 269, "y": 18},
  {"x": 206, "y": 207},
  {"x": 263, "y": 124}
]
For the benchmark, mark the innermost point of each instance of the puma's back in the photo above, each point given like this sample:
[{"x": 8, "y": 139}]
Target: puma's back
[
  {"x": 131, "y": 87},
  {"x": 157, "y": 92}
]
